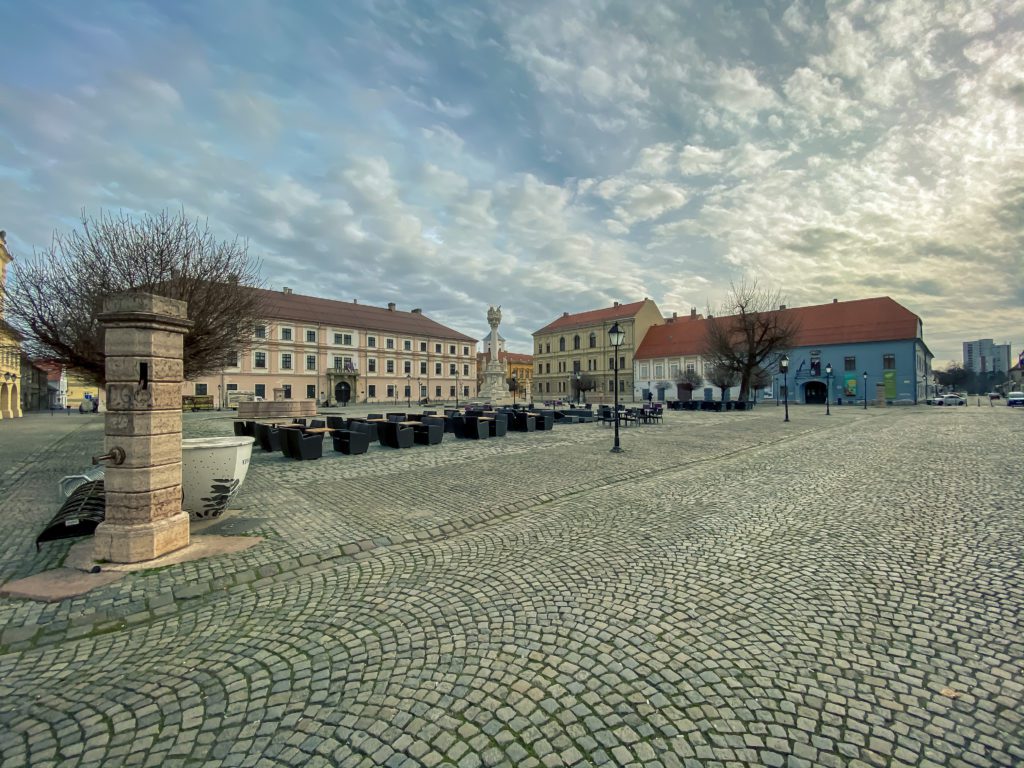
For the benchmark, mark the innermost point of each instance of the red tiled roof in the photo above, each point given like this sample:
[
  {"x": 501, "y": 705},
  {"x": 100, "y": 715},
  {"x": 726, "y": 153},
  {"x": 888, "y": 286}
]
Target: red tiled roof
[
  {"x": 592, "y": 317},
  {"x": 345, "y": 314},
  {"x": 843, "y": 322},
  {"x": 513, "y": 357}
]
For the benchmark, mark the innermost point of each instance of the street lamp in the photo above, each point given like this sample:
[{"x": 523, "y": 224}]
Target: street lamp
[
  {"x": 579, "y": 376},
  {"x": 408, "y": 390},
  {"x": 784, "y": 370},
  {"x": 456, "y": 386},
  {"x": 865, "y": 390},
  {"x": 828, "y": 388},
  {"x": 615, "y": 338},
  {"x": 514, "y": 383}
]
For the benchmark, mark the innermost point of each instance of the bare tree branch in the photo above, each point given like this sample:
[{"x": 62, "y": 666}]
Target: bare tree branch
[
  {"x": 750, "y": 332},
  {"x": 57, "y": 293}
]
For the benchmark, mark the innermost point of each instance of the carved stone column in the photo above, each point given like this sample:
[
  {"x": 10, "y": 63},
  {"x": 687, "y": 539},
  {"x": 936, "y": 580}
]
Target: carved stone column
[{"x": 144, "y": 370}]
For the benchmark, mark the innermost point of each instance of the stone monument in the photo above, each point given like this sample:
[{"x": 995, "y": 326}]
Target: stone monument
[
  {"x": 495, "y": 388},
  {"x": 143, "y": 343}
]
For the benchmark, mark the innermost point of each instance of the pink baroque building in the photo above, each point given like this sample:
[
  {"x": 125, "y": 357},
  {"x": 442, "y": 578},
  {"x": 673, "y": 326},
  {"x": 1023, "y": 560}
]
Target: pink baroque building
[{"x": 336, "y": 352}]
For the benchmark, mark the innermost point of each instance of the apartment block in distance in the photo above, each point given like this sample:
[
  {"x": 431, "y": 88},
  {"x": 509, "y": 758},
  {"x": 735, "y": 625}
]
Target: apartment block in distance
[
  {"x": 578, "y": 343},
  {"x": 336, "y": 352}
]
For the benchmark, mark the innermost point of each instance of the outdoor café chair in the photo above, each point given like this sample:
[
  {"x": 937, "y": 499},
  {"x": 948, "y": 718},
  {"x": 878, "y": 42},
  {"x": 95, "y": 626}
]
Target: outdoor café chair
[
  {"x": 428, "y": 432},
  {"x": 350, "y": 442},
  {"x": 268, "y": 437},
  {"x": 394, "y": 435}
]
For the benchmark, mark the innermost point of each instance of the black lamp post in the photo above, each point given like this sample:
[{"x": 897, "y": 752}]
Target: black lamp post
[
  {"x": 579, "y": 376},
  {"x": 456, "y": 386},
  {"x": 777, "y": 392},
  {"x": 615, "y": 338},
  {"x": 865, "y": 390},
  {"x": 784, "y": 370},
  {"x": 408, "y": 390},
  {"x": 514, "y": 382},
  {"x": 828, "y": 388}
]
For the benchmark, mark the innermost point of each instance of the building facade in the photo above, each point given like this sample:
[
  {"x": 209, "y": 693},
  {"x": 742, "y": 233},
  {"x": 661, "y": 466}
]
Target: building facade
[
  {"x": 578, "y": 344},
  {"x": 877, "y": 337},
  {"x": 340, "y": 352},
  {"x": 990, "y": 362},
  {"x": 10, "y": 347}
]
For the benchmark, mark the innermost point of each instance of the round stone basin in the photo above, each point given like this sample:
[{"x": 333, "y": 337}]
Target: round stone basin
[{"x": 212, "y": 471}]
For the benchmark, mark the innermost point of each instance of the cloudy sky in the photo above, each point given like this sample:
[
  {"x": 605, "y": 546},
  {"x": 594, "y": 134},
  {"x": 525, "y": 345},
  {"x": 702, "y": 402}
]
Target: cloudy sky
[{"x": 547, "y": 156}]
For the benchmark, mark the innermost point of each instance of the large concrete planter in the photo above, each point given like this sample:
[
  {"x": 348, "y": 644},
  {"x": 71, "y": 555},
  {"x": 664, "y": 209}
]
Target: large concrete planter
[{"x": 212, "y": 471}]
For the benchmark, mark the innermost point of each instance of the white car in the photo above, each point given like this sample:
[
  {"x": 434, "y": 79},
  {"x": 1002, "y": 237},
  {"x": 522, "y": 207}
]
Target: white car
[
  {"x": 953, "y": 400},
  {"x": 1015, "y": 399}
]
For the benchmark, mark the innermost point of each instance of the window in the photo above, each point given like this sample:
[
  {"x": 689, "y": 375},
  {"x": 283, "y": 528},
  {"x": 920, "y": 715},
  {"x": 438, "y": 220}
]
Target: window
[
  {"x": 233, "y": 360},
  {"x": 437, "y": 369},
  {"x": 371, "y": 365},
  {"x": 547, "y": 386},
  {"x": 336, "y": 362},
  {"x": 540, "y": 368},
  {"x": 407, "y": 366},
  {"x": 338, "y": 338},
  {"x": 540, "y": 348},
  {"x": 259, "y": 360},
  {"x": 311, "y": 391},
  {"x": 673, "y": 370},
  {"x": 423, "y": 367},
  {"x": 547, "y": 367},
  {"x": 389, "y": 343},
  {"x": 200, "y": 389},
  {"x": 346, "y": 363},
  {"x": 437, "y": 349},
  {"x": 286, "y": 334},
  {"x": 423, "y": 347},
  {"x": 390, "y": 366},
  {"x": 437, "y": 391},
  {"x": 611, "y": 363},
  {"x": 408, "y": 391},
  {"x": 643, "y": 371},
  {"x": 465, "y": 391},
  {"x": 391, "y": 390},
  {"x": 465, "y": 351},
  {"x": 575, "y": 366},
  {"x": 371, "y": 341},
  {"x": 232, "y": 387},
  {"x": 622, "y": 386},
  {"x": 547, "y": 347},
  {"x": 407, "y": 345},
  {"x": 260, "y": 332},
  {"x": 659, "y": 371},
  {"x": 451, "y": 391},
  {"x": 561, "y": 344},
  {"x": 815, "y": 366},
  {"x": 465, "y": 369},
  {"x": 622, "y": 363},
  {"x": 451, "y": 349},
  {"x": 286, "y": 362},
  {"x": 311, "y": 337},
  {"x": 371, "y": 390},
  {"x": 593, "y": 339},
  {"x": 576, "y": 341},
  {"x": 849, "y": 363},
  {"x": 260, "y": 390},
  {"x": 310, "y": 362},
  {"x": 451, "y": 369},
  {"x": 889, "y": 362},
  {"x": 287, "y": 391}
]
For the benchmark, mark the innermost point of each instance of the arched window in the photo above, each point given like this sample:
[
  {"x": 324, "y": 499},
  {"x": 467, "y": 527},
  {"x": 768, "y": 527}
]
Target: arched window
[
  {"x": 576, "y": 341},
  {"x": 561, "y": 344},
  {"x": 593, "y": 339}
]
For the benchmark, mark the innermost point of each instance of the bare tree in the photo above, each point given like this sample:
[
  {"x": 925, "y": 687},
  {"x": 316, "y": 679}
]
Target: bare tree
[
  {"x": 722, "y": 376},
  {"x": 751, "y": 331},
  {"x": 57, "y": 294},
  {"x": 585, "y": 383},
  {"x": 688, "y": 381},
  {"x": 759, "y": 379}
]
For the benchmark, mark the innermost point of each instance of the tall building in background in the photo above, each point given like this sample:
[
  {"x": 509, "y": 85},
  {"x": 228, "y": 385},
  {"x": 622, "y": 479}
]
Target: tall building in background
[{"x": 984, "y": 356}]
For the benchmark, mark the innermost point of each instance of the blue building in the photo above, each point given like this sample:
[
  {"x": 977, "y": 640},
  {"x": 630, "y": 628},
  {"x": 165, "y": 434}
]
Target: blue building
[{"x": 874, "y": 344}]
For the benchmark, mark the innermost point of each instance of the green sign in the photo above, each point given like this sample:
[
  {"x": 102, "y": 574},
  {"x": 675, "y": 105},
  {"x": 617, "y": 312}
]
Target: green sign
[
  {"x": 889, "y": 378},
  {"x": 850, "y": 385}
]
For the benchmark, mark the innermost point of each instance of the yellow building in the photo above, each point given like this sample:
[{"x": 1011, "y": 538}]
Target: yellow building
[
  {"x": 80, "y": 385},
  {"x": 10, "y": 347},
  {"x": 579, "y": 344}
]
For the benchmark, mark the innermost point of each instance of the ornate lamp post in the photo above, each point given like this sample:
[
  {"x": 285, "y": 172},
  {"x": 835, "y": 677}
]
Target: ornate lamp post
[
  {"x": 865, "y": 390},
  {"x": 828, "y": 388},
  {"x": 615, "y": 338},
  {"x": 579, "y": 376},
  {"x": 784, "y": 370},
  {"x": 456, "y": 386},
  {"x": 514, "y": 383},
  {"x": 408, "y": 390}
]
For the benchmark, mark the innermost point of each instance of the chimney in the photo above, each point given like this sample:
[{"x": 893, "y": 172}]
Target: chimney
[
  {"x": 391, "y": 306},
  {"x": 355, "y": 301},
  {"x": 674, "y": 315},
  {"x": 835, "y": 301},
  {"x": 417, "y": 311},
  {"x": 287, "y": 290},
  {"x": 565, "y": 314},
  {"x": 693, "y": 312},
  {"x": 615, "y": 304},
  {"x": 782, "y": 306}
]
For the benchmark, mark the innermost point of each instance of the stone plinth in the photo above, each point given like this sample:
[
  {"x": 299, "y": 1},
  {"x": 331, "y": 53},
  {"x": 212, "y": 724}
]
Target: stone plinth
[
  {"x": 276, "y": 409},
  {"x": 144, "y": 342}
]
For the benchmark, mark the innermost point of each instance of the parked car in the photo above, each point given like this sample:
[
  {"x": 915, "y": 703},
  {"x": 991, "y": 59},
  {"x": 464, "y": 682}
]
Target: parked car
[
  {"x": 1015, "y": 399},
  {"x": 953, "y": 400},
  {"x": 937, "y": 400},
  {"x": 994, "y": 396}
]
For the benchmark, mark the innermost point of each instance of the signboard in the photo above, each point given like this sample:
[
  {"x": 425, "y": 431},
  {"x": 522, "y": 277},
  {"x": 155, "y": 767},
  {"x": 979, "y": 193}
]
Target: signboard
[
  {"x": 889, "y": 379},
  {"x": 850, "y": 385}
]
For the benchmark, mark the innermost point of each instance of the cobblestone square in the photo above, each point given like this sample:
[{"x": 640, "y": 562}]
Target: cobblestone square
[{"x": 843, "y": 590}]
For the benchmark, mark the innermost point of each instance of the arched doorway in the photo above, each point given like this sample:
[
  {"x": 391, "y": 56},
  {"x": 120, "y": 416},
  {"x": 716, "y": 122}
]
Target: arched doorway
[
  {"x": 342, "y": 392},
  {"x": 5, "y": 402},
  {"x": 815, "y": 392}
]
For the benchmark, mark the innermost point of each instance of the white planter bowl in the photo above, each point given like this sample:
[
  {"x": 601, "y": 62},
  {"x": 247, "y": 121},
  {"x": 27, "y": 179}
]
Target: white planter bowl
[{"x": 212, "y": 471}]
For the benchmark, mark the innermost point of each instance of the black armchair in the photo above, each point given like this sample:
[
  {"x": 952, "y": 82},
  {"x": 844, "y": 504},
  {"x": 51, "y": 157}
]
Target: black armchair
[
  {"x": 302, "y": 446},
  {"x": 350, "y": 442},
  {"x": 498, "y": 425},
  {"x": 268, "y": 437},
  {"x": 545, "y": 420},
  {"x": 284, "y": 442},
  {"x": 239, "y": 428},
  {"x": 521, "y": 421},
  {"x": 428, "y": 432},
  {"x": 392, "y": 435},
  {"x": 317, "y": 424},
  {"x": 337, "y": 422},
  {"x": 473, "y": 428}
]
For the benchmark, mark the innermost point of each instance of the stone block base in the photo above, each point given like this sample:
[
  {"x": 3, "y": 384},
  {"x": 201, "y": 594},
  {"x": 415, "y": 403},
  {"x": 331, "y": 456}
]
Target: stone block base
[{"x": 144, "y": 541}]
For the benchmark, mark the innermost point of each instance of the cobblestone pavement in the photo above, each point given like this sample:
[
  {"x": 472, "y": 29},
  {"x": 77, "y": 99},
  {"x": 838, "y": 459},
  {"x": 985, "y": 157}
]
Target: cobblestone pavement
[{"x": 732, "y": 590}]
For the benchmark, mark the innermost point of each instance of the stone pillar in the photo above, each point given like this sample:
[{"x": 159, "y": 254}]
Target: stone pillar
[{"x": 144, "y": 370}]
